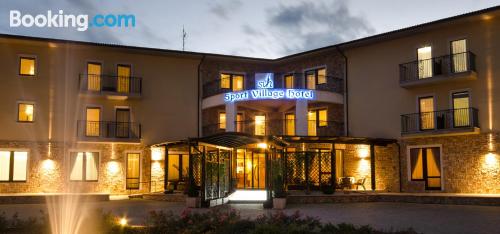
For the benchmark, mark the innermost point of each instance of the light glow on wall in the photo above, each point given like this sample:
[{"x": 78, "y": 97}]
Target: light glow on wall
[
  {"x": 491, "y": 160},
  {"x": 363, "y": 152},
  {"x": 113, "y": 167},
  {"x": 364, "y": 167},
  {"x": 48, "y": 165},
  {"x": 156, "y": 154},
  {"x": 262, "y": 145}
]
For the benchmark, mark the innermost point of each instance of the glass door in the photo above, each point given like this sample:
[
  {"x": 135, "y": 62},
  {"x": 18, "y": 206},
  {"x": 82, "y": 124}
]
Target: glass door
[
  {"x": 459, "y": 55},
  {"x": 250, "y": 170},
  {"x": 94, "y": 76},
  {"x": 123, "y": 79},
  {"x": 426, "y": 110},
  {"x": 424, "y": 55},
  {"x": 461, "y": 115},
  {"x": 260, "y": 125}
]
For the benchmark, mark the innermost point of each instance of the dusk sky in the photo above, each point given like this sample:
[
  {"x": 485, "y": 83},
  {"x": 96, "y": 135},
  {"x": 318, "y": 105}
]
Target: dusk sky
[{"x": 254, "y": 28}]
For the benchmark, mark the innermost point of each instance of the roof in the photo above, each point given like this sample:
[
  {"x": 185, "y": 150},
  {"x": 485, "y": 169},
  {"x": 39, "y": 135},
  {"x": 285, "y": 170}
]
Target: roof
[
  {"x": 360, "y": 41},
  {"x": 340, "y": 140}
]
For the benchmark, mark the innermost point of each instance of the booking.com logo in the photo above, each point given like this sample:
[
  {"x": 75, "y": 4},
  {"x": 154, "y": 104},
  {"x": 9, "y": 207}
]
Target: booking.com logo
[{"x": 61, "y": 20}]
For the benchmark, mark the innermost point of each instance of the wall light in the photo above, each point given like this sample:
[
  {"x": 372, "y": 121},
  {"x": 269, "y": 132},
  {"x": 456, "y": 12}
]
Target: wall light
[
  {"x": 123, "y": 221},
  {"x": 156, "y": 154},
  {"x": 48, "y": 165},
  {"x": 113, "y": 167},
  {"x": 491, "y": 159},
  {"x": 363, "y": 152},
  {"x": 262, "y": 145}
]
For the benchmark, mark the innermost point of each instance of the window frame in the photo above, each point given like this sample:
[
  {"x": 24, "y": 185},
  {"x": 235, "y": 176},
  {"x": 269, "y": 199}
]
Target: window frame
[
  {"x": 293, "y": 80},
  {"x": 316, "y": 76},
  {"x": 285, "y": 125},
  {"x": 84, "y": 165},
  {"x": 434, "y": 107},
  {"x": 316, "y": 113},
  {"x": 126, "y": 169},
  {"x": 11, "y": 164},
  {"x": 26, "y": 103},
  {"x": 231, "y": 80},
  {"x": 219, "y": 123},
  {"x": 441, "y": 168},
  {"x": 100, "y": 119},
  {"x": 29, "y": 57}
]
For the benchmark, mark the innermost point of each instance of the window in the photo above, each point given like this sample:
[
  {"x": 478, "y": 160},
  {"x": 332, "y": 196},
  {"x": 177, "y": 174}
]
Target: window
[
  {"x": 260, "y": 125},
  {"x": 315, "y": 77},
  {"x": 461, "y": 109},
  {"x": 222, "y": 120},
  {"x": 424, "y": 55},
  {"x": 322, "y": 118},
  {"x": 94, "y": 76},
  {"x": 123, "y": 127},
  {"x": 133, "y": 170},
  {"x": 339, "y": 163},
  {"x": 123, "y": 82},
  {"x": 231, "y": 81},
  {"x": 290, "y": 124},
  {"x": 27, "y": 66},
  {"x": 25, "y": 112},
  {"x": 289, "y": 81},
  {"x": 426, "y": 110},
  {"x": 93, "y": 117},
  {"x": 239, "y": 122},
  {"x": 13, "y": 165},
  {"x": 316, "y": 118},
  {"x": 459, "y": 55},
  {"x": 84, "y": 166},
  {"x": 178, "y": 167},
  {"x": 425, "y": 165}
]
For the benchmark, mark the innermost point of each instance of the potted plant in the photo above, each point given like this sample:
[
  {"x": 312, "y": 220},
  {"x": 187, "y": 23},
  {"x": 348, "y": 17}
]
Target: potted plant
[
  {"x": 327, "y": 187},
  {"x": 279, "y": 198},
  {"x": 193, "y": 199}
]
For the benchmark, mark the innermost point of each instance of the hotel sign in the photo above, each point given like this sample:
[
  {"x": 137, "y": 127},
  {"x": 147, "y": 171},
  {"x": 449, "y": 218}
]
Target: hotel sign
[{"x": 265, "y": 90}]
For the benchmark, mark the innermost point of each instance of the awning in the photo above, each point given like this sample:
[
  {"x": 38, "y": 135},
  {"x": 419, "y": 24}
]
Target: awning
[{"x": 339, "y": 140}]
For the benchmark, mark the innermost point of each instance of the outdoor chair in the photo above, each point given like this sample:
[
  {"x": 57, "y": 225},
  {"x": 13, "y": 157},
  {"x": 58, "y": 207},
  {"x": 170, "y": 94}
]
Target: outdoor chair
[
  {"x": 346, "y": 182},
  {"x": 360, "y": 182}
]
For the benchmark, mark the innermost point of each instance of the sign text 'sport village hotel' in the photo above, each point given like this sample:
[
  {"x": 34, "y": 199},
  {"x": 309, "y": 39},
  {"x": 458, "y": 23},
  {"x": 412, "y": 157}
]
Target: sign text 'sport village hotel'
[{"x": 412, "y": 110}]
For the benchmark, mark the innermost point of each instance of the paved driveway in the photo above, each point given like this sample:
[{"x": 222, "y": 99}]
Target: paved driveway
[{"x": 425, "y": 218}]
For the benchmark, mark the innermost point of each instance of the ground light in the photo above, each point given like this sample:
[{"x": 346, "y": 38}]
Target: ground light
[
  {"x": 248, "y": 195},
  {"x": 123, "y": 221}
]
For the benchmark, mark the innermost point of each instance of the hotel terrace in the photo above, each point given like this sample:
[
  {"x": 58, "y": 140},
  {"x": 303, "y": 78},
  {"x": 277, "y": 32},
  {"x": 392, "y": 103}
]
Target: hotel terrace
[{"x": 414, "y": 110}]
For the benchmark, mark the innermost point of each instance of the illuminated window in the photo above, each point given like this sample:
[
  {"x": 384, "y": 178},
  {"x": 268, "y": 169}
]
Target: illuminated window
[
  {"x": 237, "y": 82},
  {"x": 133, "y": 170},
  {"x": 426, "y": 109},
  {"x": 322, "y": 118},
  {"x": 225, "y": 81},
  {"x": 339, "y": 163},
  {"x": 315, "y": 77},
  {"x": 311, "y": 80},
  {"x": 84, "y": 166},
  {"x": 222, "y": 120},
  {"x": 25, "y": 112},
  {"x": 311, "y": 123},
  {"x": 124, "y": 73},
  {"x": 459, "y": 55},
  {"x": 425, "y": 165},
  {"x": 94, "y": 76},
  {"x": 93, "y": 123},
  {"x": 289, "y": 81},
  {"x": 239, "y": 122},
  {"x": 290, "y": 124},
  {"x": 321, "y": 76},
  {"x": 260, "y": 125},
  {"x": 424, "y": 55},
  {"x": 27, "y": 66},
  {"x": 13, "y": 165},
  {"x": 178, "y": 167},
  {"x": 461, "y": 115}
]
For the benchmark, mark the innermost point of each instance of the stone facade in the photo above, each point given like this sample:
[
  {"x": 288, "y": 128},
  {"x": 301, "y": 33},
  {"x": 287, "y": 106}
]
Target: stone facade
[
  {"x": 49, "y": 167},
  {"x": 470, "y": 163}
]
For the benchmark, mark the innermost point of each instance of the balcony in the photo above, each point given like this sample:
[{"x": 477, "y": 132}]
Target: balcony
[
  {"x": 332, "y": 84},
  {"x": 454, "y": 67},
  {"x": 119, "y": 87},
  {"x": 107, "y": 131},
  {"x": 279, "y": 127},
  {"x": 452, "y": 121}
]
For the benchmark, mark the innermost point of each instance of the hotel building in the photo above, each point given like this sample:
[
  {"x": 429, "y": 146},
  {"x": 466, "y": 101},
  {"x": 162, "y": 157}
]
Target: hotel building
[{"x": 412, "y": 110}]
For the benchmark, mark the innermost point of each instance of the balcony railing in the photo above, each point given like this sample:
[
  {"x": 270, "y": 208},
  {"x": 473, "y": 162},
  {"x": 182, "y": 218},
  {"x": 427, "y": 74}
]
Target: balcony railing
[
  {"x": 278, "y": 127},
  {"x": 332, "y": 84},
  {"x": 105, "y": 130},
  {"x": 438, "y": 66},
  {"x": 443, "y": 120},
  {"x": 121, "y": 85}
]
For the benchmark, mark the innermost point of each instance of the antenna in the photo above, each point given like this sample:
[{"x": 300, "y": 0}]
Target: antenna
[{"x": 184, "y": 35}]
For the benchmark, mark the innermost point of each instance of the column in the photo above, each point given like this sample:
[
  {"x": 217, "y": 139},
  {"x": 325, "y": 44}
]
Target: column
[
  {"x": 301, "y": 117},
  {"x": 230, "y": 117},
  {"x": 372, "y": 166}
]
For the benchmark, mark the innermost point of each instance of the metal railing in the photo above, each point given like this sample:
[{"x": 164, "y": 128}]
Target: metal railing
[
  {"x": 125, "y": 85},
  {"x": 279, "y": 127},
  {"x": 108, "y": 130},
  {"x": 331, "y": 83},
  {"x": 439, "y": 120},
  {"x": 443, "y": 65}
]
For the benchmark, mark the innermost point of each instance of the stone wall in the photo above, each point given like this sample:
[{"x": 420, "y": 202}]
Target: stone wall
[
  {"x": 49, "y": 167},
  {"x": 470, "y": 163}
]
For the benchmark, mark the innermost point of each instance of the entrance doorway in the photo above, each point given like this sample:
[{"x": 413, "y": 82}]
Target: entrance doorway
[{"x": 250, "y": 170}]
